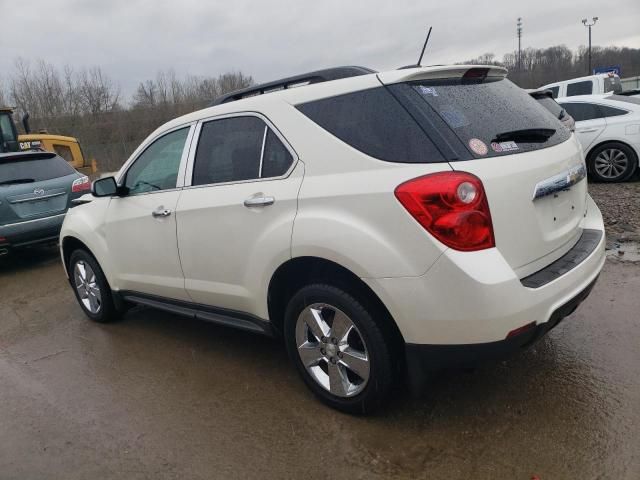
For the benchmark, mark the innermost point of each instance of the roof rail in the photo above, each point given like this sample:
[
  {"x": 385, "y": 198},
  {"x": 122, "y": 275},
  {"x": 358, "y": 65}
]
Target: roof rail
[{"x": 295, "y": 81}]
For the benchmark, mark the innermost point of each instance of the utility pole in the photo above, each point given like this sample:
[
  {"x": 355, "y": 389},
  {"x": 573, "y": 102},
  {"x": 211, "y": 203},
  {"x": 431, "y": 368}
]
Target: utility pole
[
  {"x": 519, "y": 31},
  {"x": 589, "y": 25}
]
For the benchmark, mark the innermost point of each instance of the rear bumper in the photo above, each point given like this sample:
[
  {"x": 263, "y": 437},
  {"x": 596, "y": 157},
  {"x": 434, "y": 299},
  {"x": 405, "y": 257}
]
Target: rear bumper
[
  {"x": 424, "y": 358},
  {"x": 30, "y": 232}
]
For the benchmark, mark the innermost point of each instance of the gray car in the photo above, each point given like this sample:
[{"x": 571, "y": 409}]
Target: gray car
[{"x": 36, "y": 190}]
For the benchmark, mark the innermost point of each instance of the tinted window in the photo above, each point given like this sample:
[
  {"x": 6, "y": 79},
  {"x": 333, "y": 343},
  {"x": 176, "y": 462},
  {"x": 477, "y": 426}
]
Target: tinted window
[
  {"x": 35, "y": 170},
  {"x": 580, "y": 88},
  {"x": 551, "y": 105},
  {"x": 607, "y": 111},
  {"x": 373, "y": 122},
  {"x": 582, "y": 111},
  {"x": 6, "y": 129},
  {"x": 277, "y": 158},
  {"x": 157, "y": 167},
  {"x": 612, "y": 84},
  {"x": 64, "y": 151},
  {"x": 494, "y": 115},
  {"x": 554, "y": 91},
  {"x": 229, "y": 150}
]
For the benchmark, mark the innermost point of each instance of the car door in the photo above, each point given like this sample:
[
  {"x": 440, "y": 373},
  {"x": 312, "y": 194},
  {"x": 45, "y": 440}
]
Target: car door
[
  {"x": 590, "y": 123},
  {"x": 141, "y": 225},
  {"x": 235, "y": 215}
]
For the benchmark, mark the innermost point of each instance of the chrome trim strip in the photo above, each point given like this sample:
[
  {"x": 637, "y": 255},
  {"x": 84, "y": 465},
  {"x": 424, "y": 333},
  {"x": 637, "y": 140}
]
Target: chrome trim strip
[
  {"x": 31, "y": 221},
  {"x": 34, "y": 199},
  {"x": 560, "y": 182}
]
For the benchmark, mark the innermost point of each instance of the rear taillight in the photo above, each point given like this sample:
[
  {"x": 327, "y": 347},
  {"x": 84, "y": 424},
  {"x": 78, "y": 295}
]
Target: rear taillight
[
  {"x": 82, "y": 184},
  {"x": 451, "y": 206}
]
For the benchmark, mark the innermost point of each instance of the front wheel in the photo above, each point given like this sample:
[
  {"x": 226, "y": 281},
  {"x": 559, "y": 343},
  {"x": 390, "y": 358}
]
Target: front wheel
[
  {"x": 338, "y": 349},
  {"x": 91, "y": 287},
  {"x": 612, "y": 162}
]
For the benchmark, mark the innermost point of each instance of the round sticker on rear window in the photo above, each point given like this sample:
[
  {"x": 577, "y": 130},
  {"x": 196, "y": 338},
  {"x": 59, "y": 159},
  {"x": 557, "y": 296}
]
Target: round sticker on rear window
[{"x": 478, "y": 147}]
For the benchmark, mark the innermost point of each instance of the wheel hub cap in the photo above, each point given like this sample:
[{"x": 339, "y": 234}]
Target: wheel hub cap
[
  {"x": 611, "y": 163},
  {"x": 332, "y": 350},
  {"x": 87, "y": 287}
]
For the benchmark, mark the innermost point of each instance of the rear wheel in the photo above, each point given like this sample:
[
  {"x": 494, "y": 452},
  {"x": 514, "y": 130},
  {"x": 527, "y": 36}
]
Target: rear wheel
[
  {"x": 338, "y": 349},
  {"x": 91, "y": 287},
  {"x": 612, "y": 162}
]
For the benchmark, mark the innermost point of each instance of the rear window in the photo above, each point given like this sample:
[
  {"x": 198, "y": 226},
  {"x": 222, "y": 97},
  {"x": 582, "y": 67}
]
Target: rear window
[
  {"x": 612, "y": 84},
  {"x": 489, "y": 118},
  {"x": 22, "y": 170},
  {"x": 580, "y": 88}
]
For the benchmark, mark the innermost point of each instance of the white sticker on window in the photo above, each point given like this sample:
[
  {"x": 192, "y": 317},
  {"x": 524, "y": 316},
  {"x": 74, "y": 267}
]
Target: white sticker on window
[{"x": 428, "y": 91}]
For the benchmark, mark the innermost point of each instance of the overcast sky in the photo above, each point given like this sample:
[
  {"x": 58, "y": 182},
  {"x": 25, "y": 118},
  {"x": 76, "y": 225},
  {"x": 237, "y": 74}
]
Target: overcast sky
[{"x": 133, "y": 39}]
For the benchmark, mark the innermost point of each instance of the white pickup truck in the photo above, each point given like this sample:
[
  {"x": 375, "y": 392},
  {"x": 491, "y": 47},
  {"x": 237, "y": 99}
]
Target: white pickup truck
[{"x": 591, "y": 85}]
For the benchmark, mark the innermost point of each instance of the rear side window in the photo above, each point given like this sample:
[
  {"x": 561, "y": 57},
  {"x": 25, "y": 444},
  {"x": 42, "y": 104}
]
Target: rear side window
[
  {"x": 611, "y": 111},
  {"x": 580, "y": 88},
  {"x": 373, "y": 122},
  {"x": 236, "y": 149},
  {"x": 555, "y": 91},
  {"x": 33, "y": 170},
  {"x": 582, "y": 111}
]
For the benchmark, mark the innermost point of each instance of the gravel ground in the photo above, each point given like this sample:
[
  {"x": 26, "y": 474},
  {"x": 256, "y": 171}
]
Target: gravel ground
[{"x": 620, "y": 206}]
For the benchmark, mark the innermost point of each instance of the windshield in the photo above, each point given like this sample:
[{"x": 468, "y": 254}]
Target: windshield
[
  {"x": 491, "y": 118},
  {"x": 24, "y": 170}
]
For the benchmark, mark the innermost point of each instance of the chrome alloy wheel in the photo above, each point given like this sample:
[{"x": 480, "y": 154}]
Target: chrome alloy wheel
[
  {"x": 332, "y": 350},
  {"x": 611, "y": 163},
  {"x": 87, "y": 287}
]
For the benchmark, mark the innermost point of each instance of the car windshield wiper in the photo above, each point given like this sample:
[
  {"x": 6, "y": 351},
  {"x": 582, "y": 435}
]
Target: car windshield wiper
[
  {"x": 18, "y": 180},
  {"x": 526, "y": 135}
]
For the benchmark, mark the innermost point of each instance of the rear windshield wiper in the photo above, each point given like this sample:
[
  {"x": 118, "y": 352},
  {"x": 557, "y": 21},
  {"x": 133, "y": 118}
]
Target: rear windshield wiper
[
  {"x": 526, "y": 135},
  {"x": 18, "y": 180}
]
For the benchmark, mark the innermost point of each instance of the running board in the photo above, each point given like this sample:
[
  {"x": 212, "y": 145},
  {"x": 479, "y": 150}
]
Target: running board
[{"x": 219, "y": 316}]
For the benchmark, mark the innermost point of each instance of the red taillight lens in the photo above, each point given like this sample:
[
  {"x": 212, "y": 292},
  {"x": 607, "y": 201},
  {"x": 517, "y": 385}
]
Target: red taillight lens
[
  {"x": 82, "y": 184},
  {"x": 451, "y": 206}
]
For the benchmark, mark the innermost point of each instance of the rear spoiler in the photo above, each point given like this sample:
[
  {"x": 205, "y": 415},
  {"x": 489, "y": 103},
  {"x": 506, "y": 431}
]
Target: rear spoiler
[
  {"x": 476, "y": 72},
  {"x": 27, "y": 155}
]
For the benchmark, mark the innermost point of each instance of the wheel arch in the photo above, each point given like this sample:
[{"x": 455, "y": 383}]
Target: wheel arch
[
  {"x": 612, "y": 140},
  {"x": 297, "y": 272}
]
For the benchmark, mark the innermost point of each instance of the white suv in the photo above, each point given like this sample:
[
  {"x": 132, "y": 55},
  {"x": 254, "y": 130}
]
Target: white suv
[{"x": 384, "y": 224}]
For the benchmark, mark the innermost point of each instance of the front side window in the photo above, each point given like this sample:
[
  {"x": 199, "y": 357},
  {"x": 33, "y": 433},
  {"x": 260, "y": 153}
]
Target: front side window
[
  {"x": 580, "y": 88},
  {"x": 238, "y": 149},
  {"x": 157, "y": 167},
  {"x": 582, "y": 111}
]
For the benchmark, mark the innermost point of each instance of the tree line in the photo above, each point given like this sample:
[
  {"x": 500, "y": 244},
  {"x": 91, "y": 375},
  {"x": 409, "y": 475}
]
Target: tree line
[
  {"x": 540, "y": 66},
  {"x": 88, "y": 104}
]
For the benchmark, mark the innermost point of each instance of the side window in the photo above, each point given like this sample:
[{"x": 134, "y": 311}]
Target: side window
[
  {"x": 231, "y": 150},
  {"x": 64, "y": 151},
  {"x": 555, "y": 91},
  {"x": 582, "y": 111},
  {"x": 375, "y": 123},
  {"x": 277, "y": 159},
  {"x": 157, "y": 167},
  {"x": 611, "y": 111},
  {"x": 580, "y": 88}
]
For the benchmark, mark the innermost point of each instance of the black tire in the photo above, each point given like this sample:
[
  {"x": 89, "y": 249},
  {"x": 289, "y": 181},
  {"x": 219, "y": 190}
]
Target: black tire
[
  {"x": 626, "y": 174},
  {"x": 377, "y": 389},
  {"x": 107, "y": 311}
]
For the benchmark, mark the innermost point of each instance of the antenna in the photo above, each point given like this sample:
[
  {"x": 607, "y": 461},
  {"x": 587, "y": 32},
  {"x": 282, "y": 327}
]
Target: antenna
[{"x": 423, "y": 48}]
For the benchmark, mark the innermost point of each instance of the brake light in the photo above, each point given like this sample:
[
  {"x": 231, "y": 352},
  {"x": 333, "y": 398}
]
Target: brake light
[
  {"x": 82, "y": 184},
  {"x": 451, "y": 206}
]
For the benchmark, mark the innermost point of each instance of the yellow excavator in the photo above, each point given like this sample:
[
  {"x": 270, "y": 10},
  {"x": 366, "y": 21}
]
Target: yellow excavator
[{"x": 67, "y": 147}]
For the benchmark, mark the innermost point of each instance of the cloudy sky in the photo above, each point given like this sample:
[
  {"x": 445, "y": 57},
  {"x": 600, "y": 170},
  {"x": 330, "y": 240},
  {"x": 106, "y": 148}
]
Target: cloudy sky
[{"x": 133, "y": 39}]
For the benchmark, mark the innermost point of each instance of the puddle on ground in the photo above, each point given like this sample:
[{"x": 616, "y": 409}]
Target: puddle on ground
[{"x": 627, "y": 251}]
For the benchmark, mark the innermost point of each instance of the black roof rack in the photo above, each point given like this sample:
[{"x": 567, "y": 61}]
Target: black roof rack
[{"x": 295, "y": 81}]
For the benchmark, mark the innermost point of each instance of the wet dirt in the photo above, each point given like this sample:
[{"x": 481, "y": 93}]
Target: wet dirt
[{"x": 156, "y": 396}]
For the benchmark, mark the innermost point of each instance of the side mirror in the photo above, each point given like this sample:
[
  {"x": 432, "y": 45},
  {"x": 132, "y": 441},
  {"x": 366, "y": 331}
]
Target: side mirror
[{"x": 106, "y": 187}]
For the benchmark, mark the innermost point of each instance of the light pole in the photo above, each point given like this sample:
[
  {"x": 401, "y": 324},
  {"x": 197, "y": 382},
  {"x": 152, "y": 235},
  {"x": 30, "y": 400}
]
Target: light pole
[
  {"x": 519, "y": 32},
  {"x": 587, "y": 24}
]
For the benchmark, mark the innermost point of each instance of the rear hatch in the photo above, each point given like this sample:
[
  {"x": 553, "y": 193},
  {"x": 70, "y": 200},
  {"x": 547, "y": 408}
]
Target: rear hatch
[
  {"x": 531, "y": 167},
  {"x": 34, "y": 185}
]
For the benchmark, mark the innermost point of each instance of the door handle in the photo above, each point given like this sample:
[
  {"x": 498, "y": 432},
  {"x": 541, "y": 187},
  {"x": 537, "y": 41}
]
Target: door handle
[
  {"x": 587, "y": 130},
  {"x": 260, "y": 201},
  {"x": 161, "y": 212}
]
